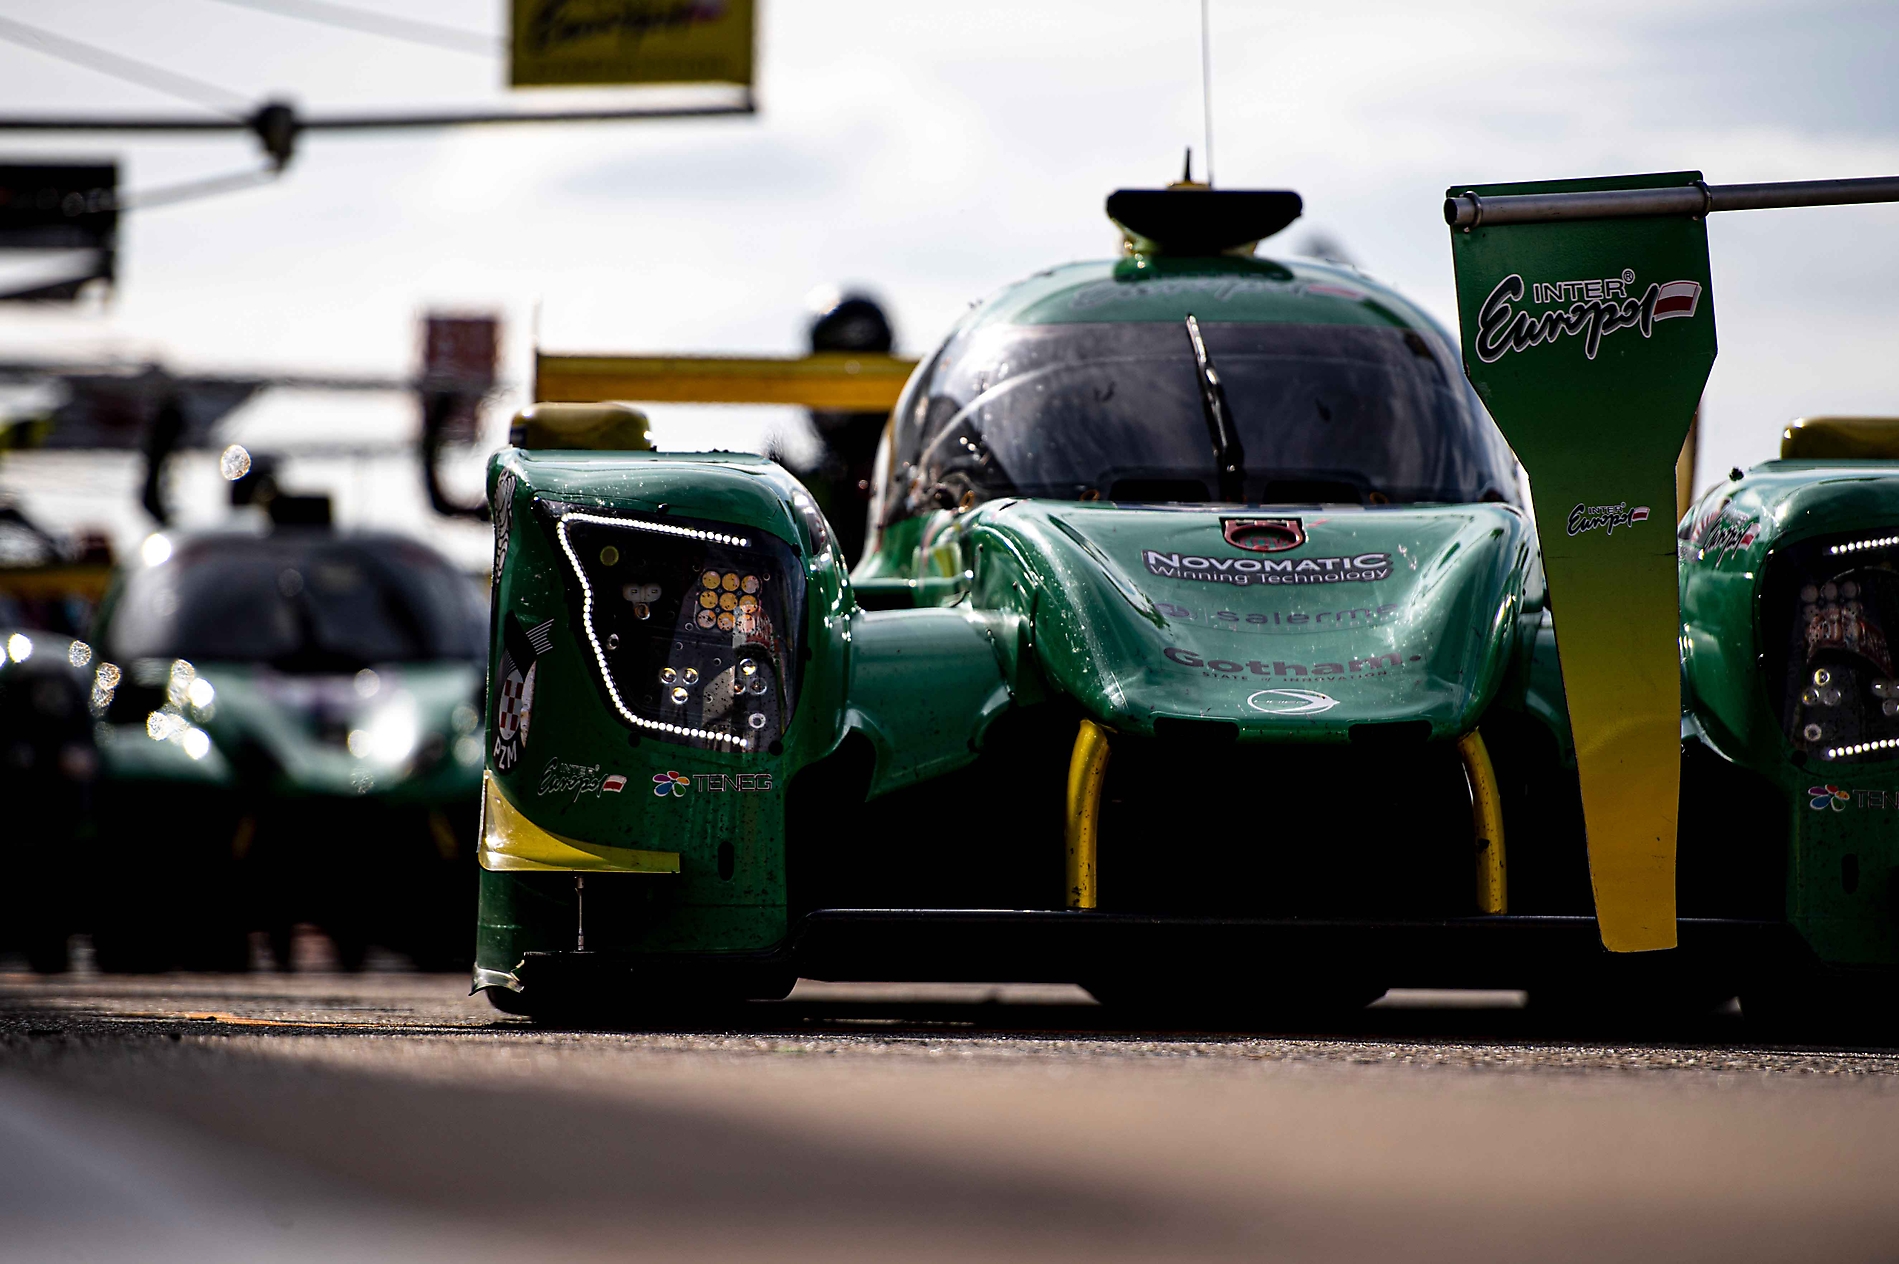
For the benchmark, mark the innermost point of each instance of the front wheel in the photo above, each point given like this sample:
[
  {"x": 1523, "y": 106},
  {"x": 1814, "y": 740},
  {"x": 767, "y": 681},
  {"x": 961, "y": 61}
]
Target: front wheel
[
  {"x": 1824, "y": 1010},
  {"x": 1233, "y": 1007}
]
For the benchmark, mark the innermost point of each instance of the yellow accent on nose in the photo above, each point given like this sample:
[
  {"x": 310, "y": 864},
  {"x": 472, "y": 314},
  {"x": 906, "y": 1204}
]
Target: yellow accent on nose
[{"x": 510, "y": 843}]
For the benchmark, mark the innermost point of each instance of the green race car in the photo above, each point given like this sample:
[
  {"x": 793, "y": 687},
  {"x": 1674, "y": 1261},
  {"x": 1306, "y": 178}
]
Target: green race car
[
  {"x": 289, "y": 733},
  {"x": 1202, "y": 654}
]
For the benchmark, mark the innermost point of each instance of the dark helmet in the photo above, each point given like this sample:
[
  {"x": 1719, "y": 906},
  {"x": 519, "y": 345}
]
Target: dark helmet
[{"x": 853, "y": 323}]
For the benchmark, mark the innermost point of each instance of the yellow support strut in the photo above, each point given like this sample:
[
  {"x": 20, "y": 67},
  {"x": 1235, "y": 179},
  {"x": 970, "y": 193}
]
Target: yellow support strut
[
  {"x": 1486, "y": 810},
  {"x": 1087, "y": 768}
]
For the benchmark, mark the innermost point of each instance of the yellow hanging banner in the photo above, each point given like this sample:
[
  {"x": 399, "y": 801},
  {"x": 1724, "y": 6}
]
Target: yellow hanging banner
[{"x": 579, "y": 42}]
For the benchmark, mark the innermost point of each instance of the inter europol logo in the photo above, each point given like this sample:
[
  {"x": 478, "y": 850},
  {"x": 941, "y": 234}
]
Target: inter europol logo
[
  {"x": 1605, "y": 518},
  {"x": 1244, "y": 571},
  {"x": 1719, "y": 532},
  {"x": 1592, "y": 308},
  {"x": 1292, "y": 702}
]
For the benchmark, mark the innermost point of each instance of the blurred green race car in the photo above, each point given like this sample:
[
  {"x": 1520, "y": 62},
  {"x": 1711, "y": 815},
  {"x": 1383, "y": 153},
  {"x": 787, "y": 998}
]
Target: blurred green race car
[{"x": 289, "y": 734}]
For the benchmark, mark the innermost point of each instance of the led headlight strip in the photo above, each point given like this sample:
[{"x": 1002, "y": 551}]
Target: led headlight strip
[
  {"x": 1860, "y": 748},
  {"x": 1857, "y": 545},
  {"x": 586, "y": 614}
]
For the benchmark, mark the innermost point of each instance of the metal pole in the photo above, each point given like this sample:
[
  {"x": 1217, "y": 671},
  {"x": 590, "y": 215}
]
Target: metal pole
[
  {"x": 358, "y": 122},
  {"x": 1467, "y": 210}
]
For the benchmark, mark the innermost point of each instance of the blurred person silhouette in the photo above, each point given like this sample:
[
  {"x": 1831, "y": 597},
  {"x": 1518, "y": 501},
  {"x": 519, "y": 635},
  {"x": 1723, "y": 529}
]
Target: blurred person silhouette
[{"x": 837, "y": 467}]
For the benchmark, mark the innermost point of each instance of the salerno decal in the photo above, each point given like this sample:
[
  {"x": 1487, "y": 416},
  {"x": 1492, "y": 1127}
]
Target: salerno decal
[
  {"x": 1607, "y": 518},
  {"x": 1593, "y": 309},
  {"x": 521, "y": 649},
  {"x": 1242, "y": 571}
]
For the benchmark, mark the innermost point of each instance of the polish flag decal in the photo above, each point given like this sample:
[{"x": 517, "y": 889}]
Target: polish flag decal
[
  {"x": 1677, "y": 298},
  {"x": 614, "y": 784}
]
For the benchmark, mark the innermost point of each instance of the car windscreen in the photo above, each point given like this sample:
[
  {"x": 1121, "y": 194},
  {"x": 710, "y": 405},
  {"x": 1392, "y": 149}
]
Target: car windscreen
[
  {"x": 314, "y": 603},
  {"x": 1114, "y": 411}
]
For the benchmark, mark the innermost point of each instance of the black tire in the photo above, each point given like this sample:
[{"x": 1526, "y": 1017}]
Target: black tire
[
  {"x": 47, "y": 952},
  {"x": 222, "y": 949},
  {"x": 508, "y": 1001},
  {"x": 1176, "y": 1003},
  {"x": 129, "y": 948},
  {"x": 1825, "y": 1011},
  {"x": 592, "y": 1012}
]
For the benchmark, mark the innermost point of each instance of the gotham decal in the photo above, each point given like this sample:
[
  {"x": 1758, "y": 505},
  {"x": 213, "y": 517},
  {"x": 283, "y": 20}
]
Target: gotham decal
[
  {"x": 1594, "y": 310},
  {"x": 503, "y": 515},
  {"x": 1242, "y": 571},
  {"x": 521, "y": 649},
  {"x": 1607, "y": 518},
  {"x": 1372, "y": 665},
  {"x": 677, "y": 785}
]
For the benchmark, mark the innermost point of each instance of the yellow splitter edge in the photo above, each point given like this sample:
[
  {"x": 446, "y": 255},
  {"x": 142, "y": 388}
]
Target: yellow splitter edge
[{"x": 512, "y": 843}]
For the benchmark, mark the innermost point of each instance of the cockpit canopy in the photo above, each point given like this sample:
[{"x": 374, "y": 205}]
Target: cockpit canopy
[{"x": 1326, "y": 413}]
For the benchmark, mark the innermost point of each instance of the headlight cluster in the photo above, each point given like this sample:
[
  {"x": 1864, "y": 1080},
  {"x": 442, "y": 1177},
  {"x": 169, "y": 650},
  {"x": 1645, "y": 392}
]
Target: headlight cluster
[
  {"x": 691, "y": 627},
  {"x": 1834, "y": 600}
]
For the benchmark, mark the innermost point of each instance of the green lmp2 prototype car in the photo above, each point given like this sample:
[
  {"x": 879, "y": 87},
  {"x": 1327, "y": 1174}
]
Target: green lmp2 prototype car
[
  {"x": 1203, "y": 653},
  {"x": 279, "y": 714}
]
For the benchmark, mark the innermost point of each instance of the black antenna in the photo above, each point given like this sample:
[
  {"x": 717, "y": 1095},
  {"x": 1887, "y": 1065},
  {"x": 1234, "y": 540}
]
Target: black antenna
[{"x": 1186, "y": 172}]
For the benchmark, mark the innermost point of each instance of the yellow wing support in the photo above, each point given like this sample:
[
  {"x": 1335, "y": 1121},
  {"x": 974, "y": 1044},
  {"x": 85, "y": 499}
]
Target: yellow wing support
[
  {"x": 1840, "y": 438},
  {"x": 510, "y": 843},
  {"x": 1486, "y": 810},
  {"x": 1087, "y": 769},
  {"x": 845, "y": 382}
]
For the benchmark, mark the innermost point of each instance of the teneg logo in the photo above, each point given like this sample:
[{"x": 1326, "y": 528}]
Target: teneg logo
[
  {"x": 1827, "y": 796},
  {"x": 678, "y": 784}
]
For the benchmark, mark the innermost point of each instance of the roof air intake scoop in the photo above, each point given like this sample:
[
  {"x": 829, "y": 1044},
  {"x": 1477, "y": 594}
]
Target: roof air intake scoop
[{"x": 1200, "y": 221}]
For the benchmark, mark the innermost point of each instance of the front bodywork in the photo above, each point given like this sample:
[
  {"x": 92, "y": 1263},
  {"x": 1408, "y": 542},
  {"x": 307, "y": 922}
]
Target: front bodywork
[
  {"x": 1820, "y": 806},
  {"x": 1060, "y": 736}
]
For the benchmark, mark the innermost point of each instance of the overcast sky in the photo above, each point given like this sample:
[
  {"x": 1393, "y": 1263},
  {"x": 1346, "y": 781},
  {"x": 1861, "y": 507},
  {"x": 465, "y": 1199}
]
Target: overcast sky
[{"x": 937, "y": 151}]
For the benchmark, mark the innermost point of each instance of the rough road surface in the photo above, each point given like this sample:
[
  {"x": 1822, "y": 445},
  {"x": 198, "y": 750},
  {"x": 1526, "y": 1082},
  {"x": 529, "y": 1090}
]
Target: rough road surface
[{"x": 390, "y": 1117}]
